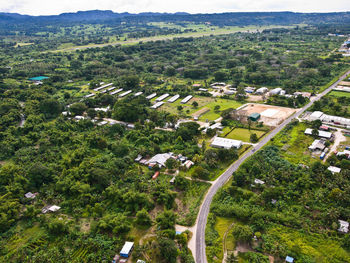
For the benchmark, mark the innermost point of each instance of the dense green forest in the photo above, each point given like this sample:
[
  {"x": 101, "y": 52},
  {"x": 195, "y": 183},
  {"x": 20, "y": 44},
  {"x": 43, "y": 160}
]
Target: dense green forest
[{"x": 89, "y": 170}]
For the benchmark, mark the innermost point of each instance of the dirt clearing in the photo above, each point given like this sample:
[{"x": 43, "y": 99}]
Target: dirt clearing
[{"x": 270, "y": 115}]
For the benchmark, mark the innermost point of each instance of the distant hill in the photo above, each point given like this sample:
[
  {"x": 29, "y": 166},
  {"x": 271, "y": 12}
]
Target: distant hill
[{"x": 12, "y": 22}]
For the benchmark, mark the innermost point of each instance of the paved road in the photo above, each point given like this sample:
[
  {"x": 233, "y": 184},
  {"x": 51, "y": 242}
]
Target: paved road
[{"x": 199, "y": 254}]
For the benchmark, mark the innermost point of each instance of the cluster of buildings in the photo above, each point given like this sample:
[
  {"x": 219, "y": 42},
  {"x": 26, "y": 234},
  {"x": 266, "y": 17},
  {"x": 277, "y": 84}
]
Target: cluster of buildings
[
  {"x": 345, "y": 48},
  {"x": 160, "y": 159},
  {"x": 344, "y": 86},
  {"x": 329, "y": 119},
  {"x": 160, "y": 100}
]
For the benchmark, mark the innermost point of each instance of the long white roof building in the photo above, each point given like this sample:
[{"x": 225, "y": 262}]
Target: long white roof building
[
  {"x": 174, "y": 98},
  {"x": 225, "y": 143},
  {"x": 157, "y": 105},
  {"x": 162, "y": 97},
  {"x": 116, "y": 91},
  {"x": 322, "y": 134},
  {"x": 151, "y": 96},
  {"x": 104, "y": 86},
  {"x": 187, "y": 99},
  {"x": 125, "y": 93}
]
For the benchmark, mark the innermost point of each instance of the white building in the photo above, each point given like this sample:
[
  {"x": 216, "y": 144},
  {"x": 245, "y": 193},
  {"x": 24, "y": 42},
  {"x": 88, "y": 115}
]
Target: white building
[
  {"x": 151, "y": 96},
  {"x": 30, "y": 195},
  {"x": 126, "y": 250},
  {"x": 162, "y": 97},
  {"x": 258, "y": 181},
  {"x": 174, "y": 98},
  {"x": 89, "y": 95},
  {"x": 275, "y": 91},
  {"x": 316, "y": 115},
  {"x": 138, "y": 94},
  {"x": 343, "y": 226},
  {"x": 160, "y": 159},
  {"x": 319, "y": 115},
  {"x": 322, "y": 134},
  {"x": 157, "y": 105},
  {"x": 317, "y": 145},
  {"x": 220, "y": 142},
  {"x": 216, "y": 126},
  {"x": 104, "y": 86},
  {"x": 125, "y": 93},
  {"x": 102, "y": 109},
  {"x": 262, "y": 90},
  {"x": 187, "y": 99},
  {"x": 334, "y": 169},
  {"x": 116, "y": 91}
]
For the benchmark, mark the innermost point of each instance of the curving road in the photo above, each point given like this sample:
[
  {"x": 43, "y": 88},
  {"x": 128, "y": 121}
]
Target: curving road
[{"x": 199, "y": 253}]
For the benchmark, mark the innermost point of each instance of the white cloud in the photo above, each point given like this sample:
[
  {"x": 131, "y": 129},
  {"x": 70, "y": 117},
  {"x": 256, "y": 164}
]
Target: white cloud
[{"x": 49, "y": 7}]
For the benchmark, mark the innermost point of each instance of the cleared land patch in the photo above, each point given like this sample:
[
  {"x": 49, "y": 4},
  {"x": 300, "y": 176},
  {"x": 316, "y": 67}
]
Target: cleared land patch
[{"x": 270, "y": 115}]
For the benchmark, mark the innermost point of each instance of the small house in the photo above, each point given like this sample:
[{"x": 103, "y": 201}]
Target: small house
[
  {"x": 30, "y": 195},
  {"x": 317, "y": 145},
  {"x": 275, "y": 91},
  {"x": 322, "y": 134},
  {"x": 258, "y": 181},
  {"x": 188, "y": 164},
  {"x": 334, "y": 170},
  {"x": 343, "y": 226},
  {"x": 126, "y": 250},
  {"x": 140, "y": 261},
  {"x": 289, "y": 259},
  {"x": 159, "y": 159},
  {"x": 262, "y": 90}
]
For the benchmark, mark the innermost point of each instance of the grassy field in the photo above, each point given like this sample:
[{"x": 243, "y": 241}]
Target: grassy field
[
  {"x": 222, "y": 226},
  {"x": 242, "y": 134},
  {"x": 201, "y": 30},
  {"x": 224, "y": 105},
  {"x": 336, "y": 93},
  {"x": 294, "y": 144},
  {"x": 316, "y": 246},
  {"x": 206, "y": 102}
]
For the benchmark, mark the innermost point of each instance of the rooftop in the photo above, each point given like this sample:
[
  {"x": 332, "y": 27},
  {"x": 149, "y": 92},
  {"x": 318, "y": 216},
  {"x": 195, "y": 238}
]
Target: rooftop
[
  {"x": 225, "y": 143},
  {"x": 127, "y": 247},
  {"x": 334, "y": 169}
]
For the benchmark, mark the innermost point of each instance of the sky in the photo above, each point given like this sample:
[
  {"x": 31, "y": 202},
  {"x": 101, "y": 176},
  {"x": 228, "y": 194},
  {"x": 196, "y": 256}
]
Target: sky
[{"x": 53, "y": 7}]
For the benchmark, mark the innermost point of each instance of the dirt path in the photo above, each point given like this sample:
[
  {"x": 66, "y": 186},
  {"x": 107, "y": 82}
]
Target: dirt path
[
  {"x": 339, "y": 137},
  {"x": 224, "y": 242}
]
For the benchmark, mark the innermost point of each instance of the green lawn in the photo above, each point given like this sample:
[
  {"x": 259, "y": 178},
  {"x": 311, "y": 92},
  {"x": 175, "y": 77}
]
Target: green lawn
[
  {"x": 207, "y": 102},
  {"x": 243, "y": 134},
  {"x": 336, "y": 93},
  {"x": 224, "y": 105}
]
